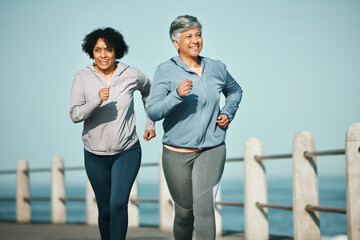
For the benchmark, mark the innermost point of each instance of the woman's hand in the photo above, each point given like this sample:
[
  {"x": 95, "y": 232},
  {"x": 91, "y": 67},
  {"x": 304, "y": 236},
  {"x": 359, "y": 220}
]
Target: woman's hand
[
  {"x": 184, "y": 87},
  {"x": 104, "y": 93},
  {"x": 223, "y": 120},
  {"x": 149, "y": 134}
]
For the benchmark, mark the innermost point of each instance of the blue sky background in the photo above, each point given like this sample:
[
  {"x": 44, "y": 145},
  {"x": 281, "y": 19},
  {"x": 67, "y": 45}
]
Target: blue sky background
[{"x": 298, "y": 63}]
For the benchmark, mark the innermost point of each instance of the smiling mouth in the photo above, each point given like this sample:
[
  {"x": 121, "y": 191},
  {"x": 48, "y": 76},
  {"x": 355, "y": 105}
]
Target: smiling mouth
[{"x": 104, "y": 62}]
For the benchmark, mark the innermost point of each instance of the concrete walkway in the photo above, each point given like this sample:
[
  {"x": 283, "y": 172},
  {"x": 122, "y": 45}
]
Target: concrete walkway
[{"x": 48, "y": 231}]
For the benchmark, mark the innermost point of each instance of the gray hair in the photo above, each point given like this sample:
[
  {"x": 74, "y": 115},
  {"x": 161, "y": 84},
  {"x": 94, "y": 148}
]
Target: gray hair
[{"x": 183, "y": 24}]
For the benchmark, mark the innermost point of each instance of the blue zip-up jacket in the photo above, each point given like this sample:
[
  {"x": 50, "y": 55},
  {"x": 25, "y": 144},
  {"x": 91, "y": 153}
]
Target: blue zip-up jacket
[{"x": 190, "y": 122}]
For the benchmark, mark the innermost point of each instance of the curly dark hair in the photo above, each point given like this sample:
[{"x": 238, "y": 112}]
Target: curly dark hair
[{"x": 113, "y": 39}]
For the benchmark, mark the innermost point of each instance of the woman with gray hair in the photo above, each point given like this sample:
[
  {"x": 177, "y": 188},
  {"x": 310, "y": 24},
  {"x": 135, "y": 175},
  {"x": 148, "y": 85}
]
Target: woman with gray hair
[{"x": 186, "y": 94}]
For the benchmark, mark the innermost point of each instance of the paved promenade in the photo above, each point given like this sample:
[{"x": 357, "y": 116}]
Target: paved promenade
[{"x": 48, "y": 231}]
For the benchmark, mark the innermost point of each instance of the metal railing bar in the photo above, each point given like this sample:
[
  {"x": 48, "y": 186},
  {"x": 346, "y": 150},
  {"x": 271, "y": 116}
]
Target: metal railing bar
[
  {"x": 233, "y": 204},
  {"x": 274, "y": 206},
  {"x": 8, "y": 172},
  {"x": 82, "y": 167},
  {"x": 73, "y": 168},
  {"x": 3, "y": 172},
  {"x": 73, "y": 199},
  {"x": 7, "y": 199},
  {"x": 39, "y": 170},
  {"x": 234, "y": 159},
  {"x": 258, "y": 158},
  {"x": 149, "y": 164},
  {"x": 38, "y": 199},
  {"x": 278, "y": 156},
  {"x": 144, "y": 200},
  {"x": 311, "y": 208},
  {"x": 324, "y": 153}
]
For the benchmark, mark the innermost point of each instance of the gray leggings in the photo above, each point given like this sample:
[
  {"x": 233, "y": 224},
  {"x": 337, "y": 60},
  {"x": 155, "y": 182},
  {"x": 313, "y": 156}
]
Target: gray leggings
[{"x": 193, "y": 180}]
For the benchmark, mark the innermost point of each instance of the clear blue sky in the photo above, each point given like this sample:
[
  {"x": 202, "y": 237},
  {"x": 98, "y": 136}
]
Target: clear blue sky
[{"x": 298, "y": 63}]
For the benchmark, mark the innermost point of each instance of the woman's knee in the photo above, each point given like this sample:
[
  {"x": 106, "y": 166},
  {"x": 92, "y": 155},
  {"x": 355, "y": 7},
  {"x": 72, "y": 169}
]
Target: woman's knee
[
  {"x": 104, "y": 213},
  {"x": 118, "y": 204},
  {"x": 183, "y": 215},
  {"x": 204, "y": 204}
]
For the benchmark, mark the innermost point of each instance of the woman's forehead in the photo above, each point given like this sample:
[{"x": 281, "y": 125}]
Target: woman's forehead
[
  {"x": 101, "y": 43},
  {"x": 193, "y": 30}
]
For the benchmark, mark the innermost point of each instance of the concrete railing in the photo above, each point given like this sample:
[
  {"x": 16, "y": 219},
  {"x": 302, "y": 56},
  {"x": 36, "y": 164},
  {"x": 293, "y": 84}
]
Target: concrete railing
[
  {"x": 305, "y": 187},
  {"x": 58, "y": 198},
  {"x": 305, "y": 190}
]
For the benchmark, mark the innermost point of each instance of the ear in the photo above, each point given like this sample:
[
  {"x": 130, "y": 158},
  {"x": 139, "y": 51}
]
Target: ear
[{"x": 176, "y": 45}]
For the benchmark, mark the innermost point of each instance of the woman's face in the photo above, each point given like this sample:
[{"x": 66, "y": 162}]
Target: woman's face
[
  {"x": 190, "y": 43},
  {"x": 104, "y": 56}
]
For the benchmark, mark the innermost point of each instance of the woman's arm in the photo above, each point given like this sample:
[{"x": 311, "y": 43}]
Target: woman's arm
[
  {"x": 80, "y": 107},
  {"x": 233, "y": 95},
  {"x": 143, "y": 85},
  {"x": 162, "y": 98}
]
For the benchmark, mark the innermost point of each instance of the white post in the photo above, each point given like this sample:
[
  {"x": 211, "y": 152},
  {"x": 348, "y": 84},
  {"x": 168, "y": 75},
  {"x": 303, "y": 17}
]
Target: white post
[
  {"x": 134, "y": 207},
  {"x": 23, "y": 213},
  {"x": 58, "y": 207},
  {"x": 166, "y": 211},
  {"x": 218, "y": 217},
  {"x": 256, "y": 220},
  {"x": 91, "y": 207},
  {"x": 353, "y": 181},
  {"x": 305, "y": 188}
]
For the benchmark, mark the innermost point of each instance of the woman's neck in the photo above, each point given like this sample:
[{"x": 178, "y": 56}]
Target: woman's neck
[
  {"x": 191, "y": 62},
  {"x": 107, "y": 74}
]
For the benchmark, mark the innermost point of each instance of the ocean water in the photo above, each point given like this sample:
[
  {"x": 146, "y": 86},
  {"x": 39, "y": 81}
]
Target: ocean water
[{"x": 331, "y": 191}]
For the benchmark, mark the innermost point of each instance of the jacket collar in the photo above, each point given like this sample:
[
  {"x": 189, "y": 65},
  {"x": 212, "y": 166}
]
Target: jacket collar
[
  {"x": 177, "y": 60},
  {"x": 119, "y": 69}
]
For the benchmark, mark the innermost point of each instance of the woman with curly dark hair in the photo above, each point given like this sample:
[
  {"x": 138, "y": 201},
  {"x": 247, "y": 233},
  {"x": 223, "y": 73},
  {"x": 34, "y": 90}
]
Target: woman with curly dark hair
[{"x": 102, "y": 97}]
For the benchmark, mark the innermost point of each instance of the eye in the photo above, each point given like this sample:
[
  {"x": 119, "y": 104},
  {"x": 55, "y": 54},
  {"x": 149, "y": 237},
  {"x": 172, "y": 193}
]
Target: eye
[{"x": 97, "y": 50}]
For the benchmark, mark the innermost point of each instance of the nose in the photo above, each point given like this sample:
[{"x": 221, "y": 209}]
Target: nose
[
  {"x": 195, "y": 39},
  {"x": 102, "y": 53}
]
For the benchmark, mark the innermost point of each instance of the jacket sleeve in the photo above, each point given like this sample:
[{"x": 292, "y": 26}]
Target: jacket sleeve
[
  {"x": 143, "y": 85},
  {"x": 162, "y": 98},
  {"x": 80, "y": 107},
  {"x": 233, "y": 95}
]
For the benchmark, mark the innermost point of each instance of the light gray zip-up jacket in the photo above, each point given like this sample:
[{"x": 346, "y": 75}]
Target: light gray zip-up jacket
[
  {"x": 109, "y": 126},
  {"x": 190, "y": 121}
]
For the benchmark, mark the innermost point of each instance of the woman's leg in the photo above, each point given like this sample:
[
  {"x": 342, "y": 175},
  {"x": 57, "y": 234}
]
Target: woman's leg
[
  {"x": 207, "y": 172},
  {"x": 177, "y": 169},
  {"x": 98, "y": 170},
  {"x": 123, "y": 173}
]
